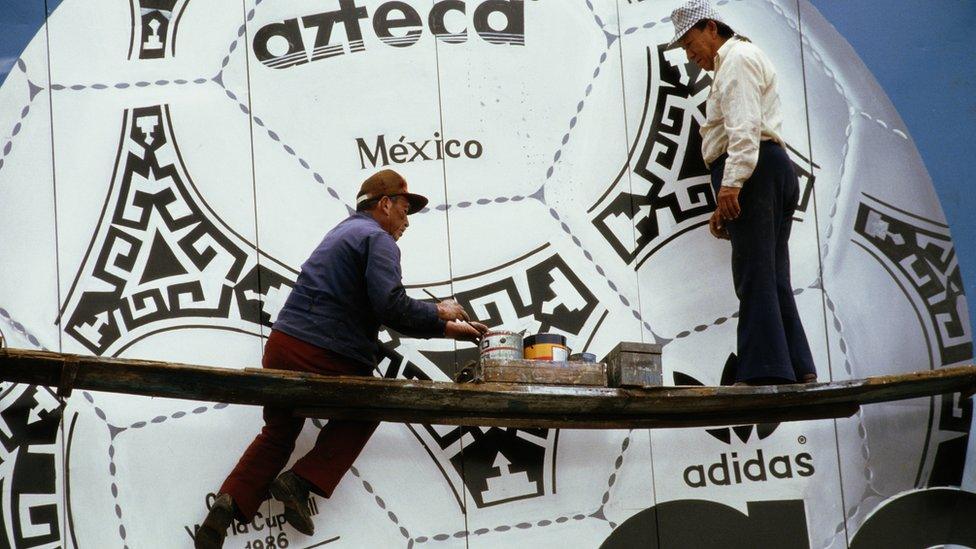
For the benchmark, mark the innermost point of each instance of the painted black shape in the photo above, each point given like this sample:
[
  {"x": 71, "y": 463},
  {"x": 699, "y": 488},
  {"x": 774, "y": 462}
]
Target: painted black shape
[
  {"x": 730, "y": 370},
  {"x": 724, "y": 434},
  {"x": 711, "y": 525},
  {"x": 926, "y": 518},
  {"x": 151, "y": 137},
  {"x": 926, "y": 261},
  {"x": 166, "y": 5},
  {"x": 950, "y": 461},
  {"x": 162, "y": 207},
  {"x": 950, "y": 456},
  {"x": 475, "y": 464},
  {"x": 155, "y": 31},
  {"x": 541, "y": 282},
  {"x": 32, "y": 473},
  {"x": 743, "y": 432},
  {"x": 478, "y": 459},
  {"x": 162, "y": 262},
  {"x": 257, "y": 282},
  {"x": 765, "y": 429}
]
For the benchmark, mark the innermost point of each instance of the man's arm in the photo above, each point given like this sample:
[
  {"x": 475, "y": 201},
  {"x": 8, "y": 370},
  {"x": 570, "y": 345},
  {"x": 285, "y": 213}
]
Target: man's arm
[
  {"x": 741, "y": 98},
  {"x": 742, "y": 108},
  {"x": 389, "y": 300}
]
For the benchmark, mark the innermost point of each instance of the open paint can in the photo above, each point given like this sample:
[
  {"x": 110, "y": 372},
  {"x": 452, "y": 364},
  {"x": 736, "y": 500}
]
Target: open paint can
[
  {"x": 546, "y": 347},
  {"x": 501, "y": 345}
]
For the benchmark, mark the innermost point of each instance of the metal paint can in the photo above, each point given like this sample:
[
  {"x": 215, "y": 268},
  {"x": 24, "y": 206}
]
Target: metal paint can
[
  {"x": 582, "y": 357},
  {"x": 546, "y": 347},
  {"x": 501, "y": 345}
]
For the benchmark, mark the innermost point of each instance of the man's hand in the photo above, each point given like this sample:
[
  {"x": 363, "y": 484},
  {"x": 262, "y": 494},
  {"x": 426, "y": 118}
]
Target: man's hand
[
  {"x": 717, "y": 226},
  {"x": 465, "y": 331},
  {"x": 728, "y": 203},
  {"x": 451, "y": 310}
]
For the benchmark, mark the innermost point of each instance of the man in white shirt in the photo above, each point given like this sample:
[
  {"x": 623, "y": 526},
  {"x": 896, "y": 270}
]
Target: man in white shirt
[{"x": 756, "y": 193}]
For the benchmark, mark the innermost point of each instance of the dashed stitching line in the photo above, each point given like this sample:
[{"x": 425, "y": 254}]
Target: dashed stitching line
[
  {"x": 847, "y": 138},
  {"x": 114, "y": 432},
  {"x": 579, "y": 109},
  {"x": 247, "y": 111},
  {"x": 380, "y": 503},
  {"x": 244, "y": 108},
  {"x": 177, "y": 415},
  {"x": 847, "y": 133},
  {"x": 476, "y": 202},
  {"x": 503, "y": 528},
  {"x": 869, "y": 475},
  {"x": 723, "y": 319},
  {"x": 112, "y": 468},
  {"x": 596, "y": 18},
  {"x": 21, "y": 329},
  {"x": 831, "y": 215},
  {"x": 240, "y": 34},
  {"x": 612, "y": 479},
  {"x": 275, "y": 137},
  {"x": 460, "y": 533},
  {"x": 613, "y": 286},
  {"x": 125, "y": 85},
  {"x": 884, "y": 125},
  {"x": 33, "y": 90}
]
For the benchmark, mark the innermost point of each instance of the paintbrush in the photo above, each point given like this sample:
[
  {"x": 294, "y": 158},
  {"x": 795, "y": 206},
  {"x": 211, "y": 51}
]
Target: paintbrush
[{"x": 437, "y": 299}]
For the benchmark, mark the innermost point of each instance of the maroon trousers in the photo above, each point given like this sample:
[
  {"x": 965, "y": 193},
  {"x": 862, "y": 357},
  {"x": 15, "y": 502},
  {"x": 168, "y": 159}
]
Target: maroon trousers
[{"x": 335, "y": 450}]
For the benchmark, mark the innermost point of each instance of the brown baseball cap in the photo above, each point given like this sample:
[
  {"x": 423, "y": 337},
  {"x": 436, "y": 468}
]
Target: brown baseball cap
[{"x": 389, "y": 183}]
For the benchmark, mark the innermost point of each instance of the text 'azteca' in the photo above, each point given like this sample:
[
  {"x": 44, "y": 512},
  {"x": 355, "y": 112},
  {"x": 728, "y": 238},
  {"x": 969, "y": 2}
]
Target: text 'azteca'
[{"x": 285, "y": 44}]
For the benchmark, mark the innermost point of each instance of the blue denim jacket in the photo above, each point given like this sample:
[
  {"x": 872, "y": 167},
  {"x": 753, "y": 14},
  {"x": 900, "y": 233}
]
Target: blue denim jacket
[{"x": 348, "y": 287}]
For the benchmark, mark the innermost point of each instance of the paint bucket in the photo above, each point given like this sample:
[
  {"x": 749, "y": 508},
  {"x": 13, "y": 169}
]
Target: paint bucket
[
  {"x": 546, "y": 347},
  {"x": 501, "y": 345},
  {"x": 582, "y": 357}
]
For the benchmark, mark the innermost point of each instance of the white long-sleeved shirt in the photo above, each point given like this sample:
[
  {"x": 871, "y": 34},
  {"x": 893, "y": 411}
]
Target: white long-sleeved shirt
[{"x": 743, "y": 109}]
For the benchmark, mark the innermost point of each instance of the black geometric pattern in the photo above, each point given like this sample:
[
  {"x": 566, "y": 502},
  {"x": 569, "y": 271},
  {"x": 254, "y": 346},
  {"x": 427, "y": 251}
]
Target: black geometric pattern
[
  {"x": 919, "y": 255},
  {"x": 161, "y": 258},
  {"x": 154, "y": 27},
  {"x": 502, "y": 465},
  {"x": 30, "y": 505}
]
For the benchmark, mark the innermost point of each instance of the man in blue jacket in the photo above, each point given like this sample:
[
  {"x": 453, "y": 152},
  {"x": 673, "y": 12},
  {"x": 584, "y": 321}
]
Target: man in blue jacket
[{"x": 347, "y": 289}]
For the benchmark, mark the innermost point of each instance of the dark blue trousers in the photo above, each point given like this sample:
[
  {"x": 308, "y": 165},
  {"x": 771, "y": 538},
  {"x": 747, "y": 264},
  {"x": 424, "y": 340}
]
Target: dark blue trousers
[{"x": 770, "y": 340}]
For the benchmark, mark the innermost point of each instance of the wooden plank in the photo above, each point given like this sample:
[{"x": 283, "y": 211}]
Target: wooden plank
[{"x": 390, "y": 399}]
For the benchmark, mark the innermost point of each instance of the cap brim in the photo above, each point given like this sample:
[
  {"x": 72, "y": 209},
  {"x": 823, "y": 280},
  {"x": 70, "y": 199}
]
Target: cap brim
[
  {"x": 416, "y": 201},
  {"x": 678, "y": 35}
]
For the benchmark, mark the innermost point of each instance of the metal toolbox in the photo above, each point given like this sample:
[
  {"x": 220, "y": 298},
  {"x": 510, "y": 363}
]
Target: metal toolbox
[{"x": 632, "y": 364}]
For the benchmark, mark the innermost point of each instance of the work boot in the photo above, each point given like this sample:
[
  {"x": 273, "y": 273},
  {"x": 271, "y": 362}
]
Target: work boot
[
  {"x": 292, "y": 490},
  {"x": 214, "y": 528}
]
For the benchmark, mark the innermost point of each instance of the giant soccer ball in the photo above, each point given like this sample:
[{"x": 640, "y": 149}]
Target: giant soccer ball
[{"x": 170, "y": 164}]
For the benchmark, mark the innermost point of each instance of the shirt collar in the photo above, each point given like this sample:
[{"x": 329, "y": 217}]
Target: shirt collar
[
  {"x": 723, "y": 52},
  {"x": 365, "y": 215}
]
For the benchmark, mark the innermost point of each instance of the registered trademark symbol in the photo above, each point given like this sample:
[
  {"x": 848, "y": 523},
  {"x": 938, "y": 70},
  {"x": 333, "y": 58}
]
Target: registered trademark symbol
[{"x": 802, "y": 439}]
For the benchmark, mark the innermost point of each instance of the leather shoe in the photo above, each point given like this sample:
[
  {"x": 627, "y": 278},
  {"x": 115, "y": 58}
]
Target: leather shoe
[
  {"x": 214, "y": 528},
  {"x": 292, "y": 490}
]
